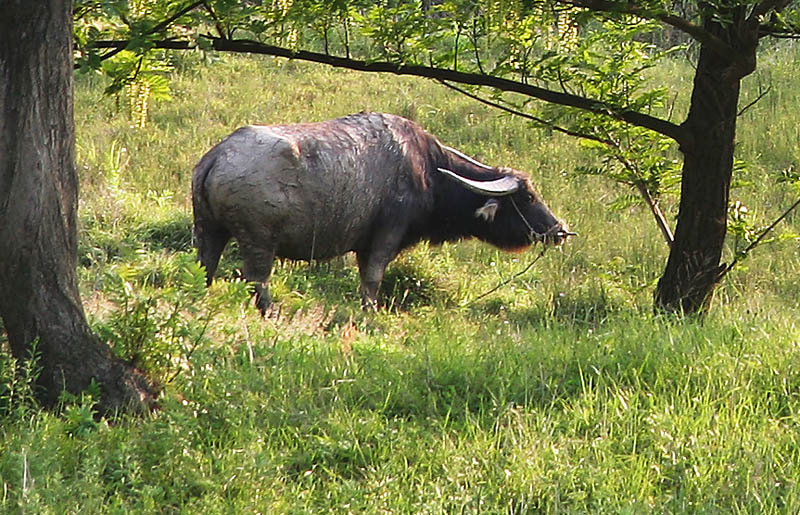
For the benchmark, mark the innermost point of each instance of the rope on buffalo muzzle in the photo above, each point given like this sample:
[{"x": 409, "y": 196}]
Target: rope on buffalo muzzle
[
  {"x": 534, "y": 238},
  {"x": 514, "y": 277}
]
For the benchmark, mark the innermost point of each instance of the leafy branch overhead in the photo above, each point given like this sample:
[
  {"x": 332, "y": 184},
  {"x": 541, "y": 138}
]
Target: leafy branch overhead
[
  {"x": 502, "y": 45},
  {"x": 515, "y": 46}
]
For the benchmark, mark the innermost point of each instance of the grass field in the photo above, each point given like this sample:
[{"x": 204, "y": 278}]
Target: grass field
[{"x": 559, "y": 392}]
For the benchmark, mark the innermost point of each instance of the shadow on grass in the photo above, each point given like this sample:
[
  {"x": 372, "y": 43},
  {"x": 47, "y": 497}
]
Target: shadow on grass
[
  {"x": 542, "y": 357},
  {"x": 405, "y": 286},
  {"x": 99, "y": 244},
  {"x": 174, "y": 234},
  {"x": 583, "y": 310},
  {"x": 591, "y": 306}
]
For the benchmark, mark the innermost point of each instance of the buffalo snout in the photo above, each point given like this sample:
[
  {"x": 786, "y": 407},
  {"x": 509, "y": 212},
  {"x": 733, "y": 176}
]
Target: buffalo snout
[{"x": 557, "y": 234}]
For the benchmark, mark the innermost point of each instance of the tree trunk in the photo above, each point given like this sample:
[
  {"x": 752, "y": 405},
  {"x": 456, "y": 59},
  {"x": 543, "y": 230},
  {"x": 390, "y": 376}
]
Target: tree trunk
[
  {"x": 693, "y": 268},
  {"x": 39, "y": 298}
]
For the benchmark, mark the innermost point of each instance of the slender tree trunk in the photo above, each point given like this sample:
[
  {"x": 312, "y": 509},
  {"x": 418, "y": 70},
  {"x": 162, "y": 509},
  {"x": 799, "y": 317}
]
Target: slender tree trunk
[
  {"x": 39, "y": 298},
  {"x": 693, "y": 268}
]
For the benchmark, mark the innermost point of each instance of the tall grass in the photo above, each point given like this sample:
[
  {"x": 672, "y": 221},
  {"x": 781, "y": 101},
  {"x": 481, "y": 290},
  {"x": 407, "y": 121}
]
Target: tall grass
[{"x": 559, "y": 392}]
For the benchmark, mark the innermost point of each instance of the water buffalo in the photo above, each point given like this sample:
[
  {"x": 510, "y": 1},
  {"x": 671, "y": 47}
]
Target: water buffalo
[{"x": 370, "y": 183}]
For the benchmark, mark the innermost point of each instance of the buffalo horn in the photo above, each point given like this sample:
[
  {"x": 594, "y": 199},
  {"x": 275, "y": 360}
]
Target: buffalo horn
[
  {"x": 501, "y": 187},
  {"x": 466, "y": 157}
]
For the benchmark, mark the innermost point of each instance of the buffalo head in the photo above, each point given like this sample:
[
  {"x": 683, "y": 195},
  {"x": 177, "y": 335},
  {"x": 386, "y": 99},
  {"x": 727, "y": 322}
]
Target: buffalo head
[{"x": 513, "y": 214}]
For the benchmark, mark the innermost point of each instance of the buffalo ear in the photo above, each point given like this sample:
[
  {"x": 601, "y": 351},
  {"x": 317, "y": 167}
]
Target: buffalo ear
[{"x": 488, "y": 210}]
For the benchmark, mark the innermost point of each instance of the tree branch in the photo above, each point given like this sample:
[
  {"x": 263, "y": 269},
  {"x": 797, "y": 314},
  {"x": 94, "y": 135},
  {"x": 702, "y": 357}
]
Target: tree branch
[
  {"x": 768, "y": 30},
  {"x": 773, "y": 27},
  {"x": 636, "y": 118},
  {"x": 764, "y": 7},
  {"x": 757, "y": 241},
  {"x": 761, "y": 94},
  {"x": 697, "y": 32},
  {"x": 156, "y": 29},
  {"x": 169, "y": 21},
  {"x": 527, "y": 116}
]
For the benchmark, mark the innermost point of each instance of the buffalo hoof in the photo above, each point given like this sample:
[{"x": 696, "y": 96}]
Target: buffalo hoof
[
  {"x": 263, "y": 301},
  {"x": 368, "y": 304}
]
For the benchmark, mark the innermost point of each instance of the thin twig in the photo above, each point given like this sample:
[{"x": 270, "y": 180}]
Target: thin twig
[
  {"x": 536, "y": 119},
  {"x": 765, "y": 31},
  {"x": 138, "y": 69},
  {"x": 562, "y": 82},
  {"x": 761, "y": 95},
  {"x": 757, "y": 241},
  {"x": 166, "y": 23},
  {"x": 652, "y": 203},
  {"x": 195, "y": 345},
  {"x": 455, "y": 47},
  {"x": 641, "y": 187},
  {"x": 474, "y": 39},
  {"x": 247, "y": 336},
  {"x": 672, "y": 106},
  {"x": 217, "y": 23}
]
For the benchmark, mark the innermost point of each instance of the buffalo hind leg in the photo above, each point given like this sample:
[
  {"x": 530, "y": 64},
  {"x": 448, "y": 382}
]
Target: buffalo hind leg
[
  {"x": 257, "y": 267},
  {"x": 210, "y": 243}
]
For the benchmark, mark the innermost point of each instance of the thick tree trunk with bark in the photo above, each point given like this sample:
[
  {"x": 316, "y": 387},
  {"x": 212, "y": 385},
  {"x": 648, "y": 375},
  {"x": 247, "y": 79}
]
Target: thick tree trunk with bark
[
  {"x": 39, "y": 298},
  {"x": 693, "y": 268}
]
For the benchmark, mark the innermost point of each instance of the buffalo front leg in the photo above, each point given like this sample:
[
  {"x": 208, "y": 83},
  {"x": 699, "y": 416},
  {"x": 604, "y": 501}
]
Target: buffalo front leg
[
  {"x": 371, "y": 274},
  {"x": 372, "y": 266}
]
